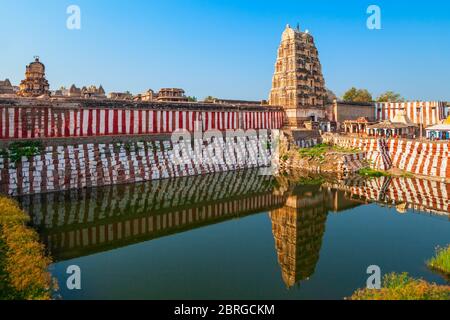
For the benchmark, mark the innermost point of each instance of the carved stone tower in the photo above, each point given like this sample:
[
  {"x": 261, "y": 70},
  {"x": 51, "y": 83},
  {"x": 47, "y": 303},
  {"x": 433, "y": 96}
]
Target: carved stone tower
[
  {"x": 35, "y": 83},
  {"x": 298, "y": 84}
]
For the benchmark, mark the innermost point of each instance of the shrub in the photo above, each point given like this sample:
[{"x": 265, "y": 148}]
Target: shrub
[
  {"x": 28, "y": 149},
  {"x": 23, "y": 263},
  {"x": 441, "y": 261},
  {"x": 402, "y": 287}
]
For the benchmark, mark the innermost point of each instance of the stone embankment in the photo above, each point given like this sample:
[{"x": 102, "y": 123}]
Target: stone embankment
[
  {"x": 320, "y": 158},
  {"x": 422, "y": 158}
]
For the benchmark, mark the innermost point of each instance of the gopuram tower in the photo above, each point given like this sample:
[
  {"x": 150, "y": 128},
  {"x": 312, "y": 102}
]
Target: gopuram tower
[
  {"x": 35, "y": 83},
  {"x": 298, "y": 84}
]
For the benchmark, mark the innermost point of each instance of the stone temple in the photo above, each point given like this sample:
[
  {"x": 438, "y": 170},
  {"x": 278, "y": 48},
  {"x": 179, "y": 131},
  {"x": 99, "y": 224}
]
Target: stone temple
[
  {"x": 298, "y": 84},
  {"x": 35, "y": 83}
]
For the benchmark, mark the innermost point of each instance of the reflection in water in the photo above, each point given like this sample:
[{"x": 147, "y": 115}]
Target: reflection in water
[
  {"x": 404, "y": 193},
  {"x": 79, "y": 223},
  {"x": 298, "y": 228}
]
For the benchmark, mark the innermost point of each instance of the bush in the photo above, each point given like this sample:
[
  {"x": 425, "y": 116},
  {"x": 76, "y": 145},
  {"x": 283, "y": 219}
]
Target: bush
[
  {"x": 441, "y": 261},
  {"x": 23, "y": 264},
  {"x": 28, "y": 149},
  {"x": 402, "y": 287}
]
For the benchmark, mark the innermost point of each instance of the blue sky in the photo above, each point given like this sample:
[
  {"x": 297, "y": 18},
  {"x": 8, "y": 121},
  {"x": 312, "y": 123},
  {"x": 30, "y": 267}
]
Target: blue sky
[{"x": 228, "y": 48}]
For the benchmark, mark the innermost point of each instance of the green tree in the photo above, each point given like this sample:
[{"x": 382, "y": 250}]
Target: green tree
[
  {"x": 358, "y": 95},
  {"x": 390, "y": 96},
  {"x": 192, "y": 99},
  {"x": 209, "y": 99}
]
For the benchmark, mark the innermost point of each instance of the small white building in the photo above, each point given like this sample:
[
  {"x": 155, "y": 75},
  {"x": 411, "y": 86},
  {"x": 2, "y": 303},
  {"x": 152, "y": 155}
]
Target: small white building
[{"x": 439, "y": 131}]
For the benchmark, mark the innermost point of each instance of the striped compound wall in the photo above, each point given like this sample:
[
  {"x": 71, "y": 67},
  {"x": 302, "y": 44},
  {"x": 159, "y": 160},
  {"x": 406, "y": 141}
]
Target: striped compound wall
[
  {"x": 19, "y": 122},
  {"x": 423, "y": 158},
  {"x": 79, "y": 163},
  {"x": 428, "y": 113},
  {"x": 78, "y": 166}
]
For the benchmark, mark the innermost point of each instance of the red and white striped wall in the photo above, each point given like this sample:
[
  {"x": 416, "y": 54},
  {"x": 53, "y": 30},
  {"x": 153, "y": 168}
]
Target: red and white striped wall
[
  {"x": 428, "y": 113},
  {"x": 423, "y": 158},
  {"x": 48, "y": 122}
]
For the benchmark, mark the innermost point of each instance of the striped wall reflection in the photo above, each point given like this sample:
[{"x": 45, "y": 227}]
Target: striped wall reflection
[
  {"x": 82, "y": 221},
  {"x": 418, "y": 194}
]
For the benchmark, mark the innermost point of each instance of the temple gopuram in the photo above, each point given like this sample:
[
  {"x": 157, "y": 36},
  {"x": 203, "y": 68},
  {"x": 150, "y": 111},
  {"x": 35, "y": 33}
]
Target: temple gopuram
[
  {"x": 298, "y": 84},
  {"x": 35, "y": 83},
  {"x": 6, "y": 87}
]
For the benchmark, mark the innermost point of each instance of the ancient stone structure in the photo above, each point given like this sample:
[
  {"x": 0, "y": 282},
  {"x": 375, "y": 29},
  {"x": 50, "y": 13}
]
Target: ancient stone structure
[
  {"x": 93, "y": 92},
  {"x": 298, "y": 84},
  {"x": 164, "y": 95},
  {"x": 147, "y": 96},
  {"x": 74, "y": 92},
  {"x": 6, "y": 87},
  {"x": 35, "y": 83},
  {"x": 120, "y": 96},
  {"x": 344, "y": 111},
  {"x": 172, "y": 95}
]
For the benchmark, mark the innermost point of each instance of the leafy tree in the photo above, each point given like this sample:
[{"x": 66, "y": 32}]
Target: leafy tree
[
  {"x": 358, "y": 95},
  {"x": 390, "y": 96},
  {"x": 192, "y": 99},
  {"x": 209, "y": 99}
]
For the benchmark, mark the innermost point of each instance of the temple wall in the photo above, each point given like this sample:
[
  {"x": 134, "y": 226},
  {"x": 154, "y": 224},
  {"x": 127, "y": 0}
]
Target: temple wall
[
  {"x": 19, "y": 120},
  {"x": 422, "y": 158},
  {"x": 74, "y": 166},
  {"x": 99, "y": 142}
]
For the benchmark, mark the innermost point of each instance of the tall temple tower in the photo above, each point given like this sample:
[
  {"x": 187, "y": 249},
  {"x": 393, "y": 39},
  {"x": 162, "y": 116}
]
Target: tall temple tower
[
  {"x": 35, "y": 83},
  {"x": 298, "y": 84}
]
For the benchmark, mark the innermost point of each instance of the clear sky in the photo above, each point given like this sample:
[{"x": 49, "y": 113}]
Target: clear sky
[{"x": 227, "y": 48}]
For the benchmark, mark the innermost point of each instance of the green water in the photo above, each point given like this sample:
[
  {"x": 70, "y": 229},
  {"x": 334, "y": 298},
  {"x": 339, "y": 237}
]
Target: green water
[{"x": 240, "y": 236}]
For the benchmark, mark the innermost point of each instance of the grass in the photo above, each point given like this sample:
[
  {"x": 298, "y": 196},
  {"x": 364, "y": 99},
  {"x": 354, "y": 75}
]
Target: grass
[
  {"x": 403, "y": 287},
  {"x": 319, "y": 151},
  {"x": 23, "y": 263},
  {"x": 441, "y": 261},
  {"x": 372, "y": 173}
]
